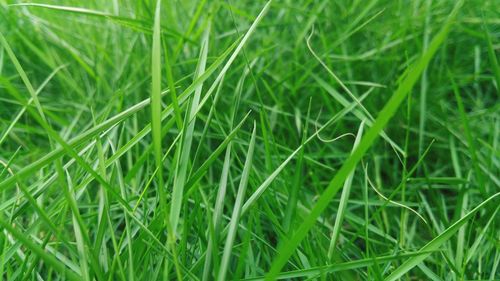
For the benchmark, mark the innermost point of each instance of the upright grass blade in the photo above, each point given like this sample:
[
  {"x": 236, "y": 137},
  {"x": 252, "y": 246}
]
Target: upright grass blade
[
  {"x": 80, "y": 244},
  {"x": 436, "y": 243},
  {"x": 171, "y": 85},
  {"x": 128, "y": 231},
  {"x": 343, "y": 200},
  {"x": 217, "y": 214},
  {"x": 293, "y": 196},
  {"x": 233, "y": 225},
  {"x": 156, "y": 105},
  {"x": 424, "y": 81},
  {"x": 186, "y": 141},
  {"x": 288, "y": 247}
]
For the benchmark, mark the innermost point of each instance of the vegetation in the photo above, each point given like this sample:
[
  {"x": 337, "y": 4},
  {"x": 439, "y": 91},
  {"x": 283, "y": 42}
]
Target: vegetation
[{"x": 253, "y": 140}]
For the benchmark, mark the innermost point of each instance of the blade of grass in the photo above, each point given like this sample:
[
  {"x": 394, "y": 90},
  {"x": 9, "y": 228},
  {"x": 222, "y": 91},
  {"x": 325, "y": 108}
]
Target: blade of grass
[
  {"x": 344, "y": 198},
  {"x": 156, "y": 107},
  {"x": 171, "y": 85},
  {"x": 186, "y": 141},
  {"x": 233, "y": 225},
  {"x": 424, "y": 81}
]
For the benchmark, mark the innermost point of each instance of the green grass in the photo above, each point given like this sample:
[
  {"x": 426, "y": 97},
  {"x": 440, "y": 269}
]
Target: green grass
[{"x": 249, "y": 140}]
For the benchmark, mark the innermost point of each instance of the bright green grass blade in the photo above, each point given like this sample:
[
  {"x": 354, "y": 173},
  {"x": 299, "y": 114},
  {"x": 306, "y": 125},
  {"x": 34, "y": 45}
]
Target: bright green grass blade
[
  {"x": 217, "y": 214},
  {"x": 288, "y": 247},
  {"x": 233, "y": 225},
  {"x": 156, "y": 106},
  {"x": 436, "y": 243},
  {"x": 427, "y": 271},
  {"x": 293, "y": 196},
  {"x": 424, "y": 82},
  {"x": 128, "y": 231},
  {"x": 213, "y": 241},
  {"x": 186, "y": 141},
  {"x": 80, "y": 244},
  {"x": 343, "y": 200},
  {"x": 171, "y": 85}
]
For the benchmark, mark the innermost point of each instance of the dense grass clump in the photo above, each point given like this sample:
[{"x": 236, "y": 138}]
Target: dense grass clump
[{"x": 254, "y": 140}]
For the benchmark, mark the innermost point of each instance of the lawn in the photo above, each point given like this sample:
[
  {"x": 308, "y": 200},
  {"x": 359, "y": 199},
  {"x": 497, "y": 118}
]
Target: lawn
[{"x": 249, "y": 140}]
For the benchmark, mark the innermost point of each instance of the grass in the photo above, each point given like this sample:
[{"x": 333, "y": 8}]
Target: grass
[{"x": 249, "y": 140}]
